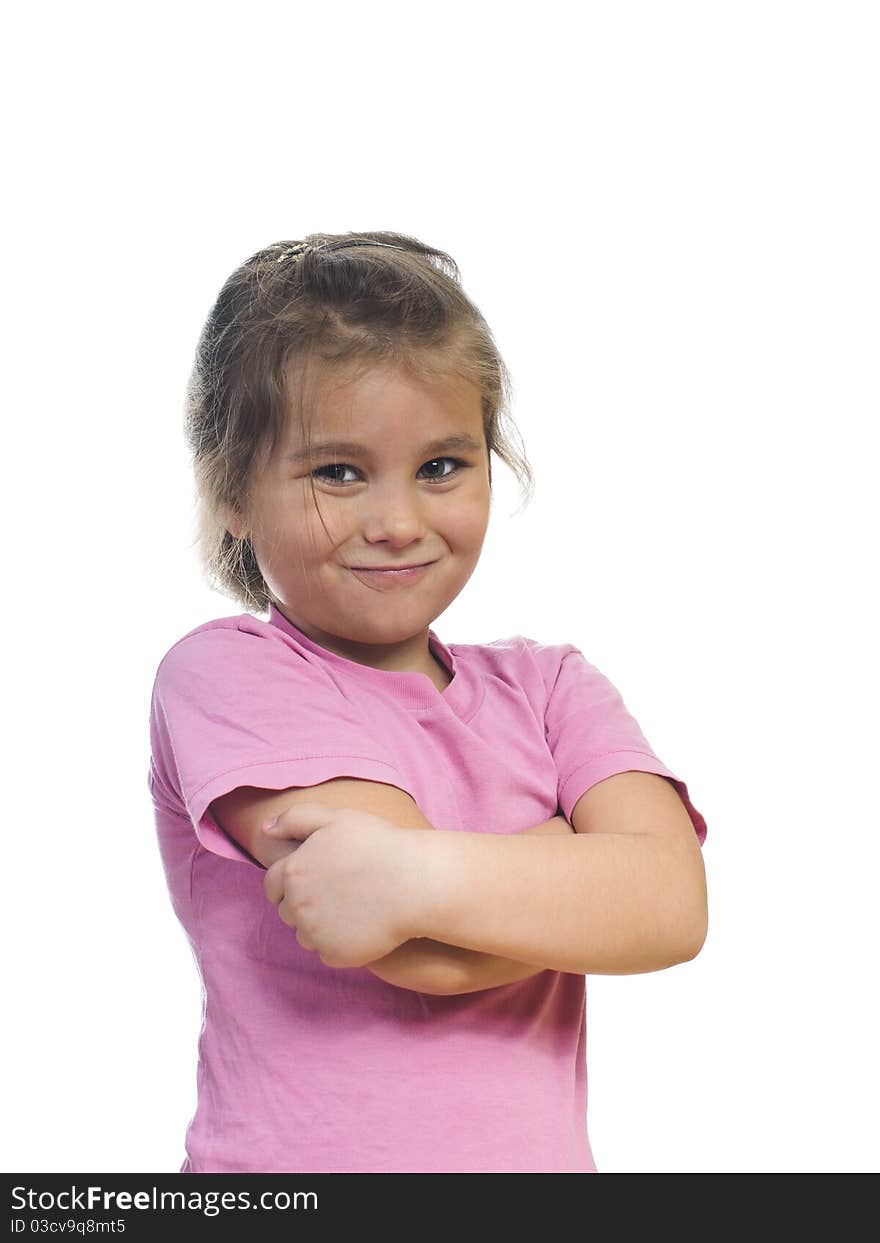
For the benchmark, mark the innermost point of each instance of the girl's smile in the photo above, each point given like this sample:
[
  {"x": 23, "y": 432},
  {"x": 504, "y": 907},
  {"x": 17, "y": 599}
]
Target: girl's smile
[
  {"x": 396, "y": 577},
  {"x": 392, "y": 489}
]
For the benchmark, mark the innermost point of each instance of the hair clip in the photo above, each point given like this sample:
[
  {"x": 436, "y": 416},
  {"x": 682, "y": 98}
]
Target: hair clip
[
  {"x": 302, "y": 248},
  {"x": 299, "y": 249}
]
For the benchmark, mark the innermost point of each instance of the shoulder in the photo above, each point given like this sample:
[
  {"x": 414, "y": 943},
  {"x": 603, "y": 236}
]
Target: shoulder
[
  {"x": 226, "y": 645},
  {"x": 522, "y": 653},
  {"x": 518, "y": 660}
]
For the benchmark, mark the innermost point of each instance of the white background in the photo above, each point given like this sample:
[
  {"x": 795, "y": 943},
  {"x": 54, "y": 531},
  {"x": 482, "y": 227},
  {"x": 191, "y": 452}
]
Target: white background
[{"x": 668, "y": 215}]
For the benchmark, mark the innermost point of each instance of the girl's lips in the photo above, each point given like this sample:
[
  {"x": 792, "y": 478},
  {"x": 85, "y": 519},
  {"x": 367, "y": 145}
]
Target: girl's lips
[{"x": 395, "y": 576}]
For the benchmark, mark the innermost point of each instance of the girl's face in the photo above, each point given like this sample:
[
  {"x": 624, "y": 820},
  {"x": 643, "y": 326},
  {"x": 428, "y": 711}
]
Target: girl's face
[{"x": 392, "y": 492}]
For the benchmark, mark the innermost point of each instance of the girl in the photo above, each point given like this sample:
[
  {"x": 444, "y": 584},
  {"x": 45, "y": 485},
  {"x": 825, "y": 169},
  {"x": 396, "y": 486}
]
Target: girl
[{"x": 377, "y": 998}]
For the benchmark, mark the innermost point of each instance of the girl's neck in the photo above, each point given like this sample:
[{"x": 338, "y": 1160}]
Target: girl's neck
[{"x": 417, "y": 659}]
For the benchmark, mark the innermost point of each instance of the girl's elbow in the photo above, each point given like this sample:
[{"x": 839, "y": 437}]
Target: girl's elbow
[
  {"x": 697, "y": 938},
  {"x": 693, "y": 915}
]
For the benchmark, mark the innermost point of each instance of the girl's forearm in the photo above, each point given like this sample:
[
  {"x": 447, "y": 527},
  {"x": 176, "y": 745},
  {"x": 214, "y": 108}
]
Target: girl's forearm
[{"x": 428, "y": 966}]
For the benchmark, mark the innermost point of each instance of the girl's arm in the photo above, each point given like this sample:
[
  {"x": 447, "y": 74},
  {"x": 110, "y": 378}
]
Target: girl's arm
[
  {"x": 420, "y": 963},
  {"x": 625, "y": 894}
]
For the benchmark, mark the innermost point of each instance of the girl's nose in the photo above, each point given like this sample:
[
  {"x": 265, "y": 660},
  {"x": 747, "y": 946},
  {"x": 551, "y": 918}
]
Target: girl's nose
[{"x": 396, "y": 518}]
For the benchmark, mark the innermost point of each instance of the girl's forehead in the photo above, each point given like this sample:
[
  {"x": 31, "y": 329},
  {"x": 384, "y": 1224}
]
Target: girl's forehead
[
  {"x": 341, "y": 405},
  {"x": 326, "y": 385}
]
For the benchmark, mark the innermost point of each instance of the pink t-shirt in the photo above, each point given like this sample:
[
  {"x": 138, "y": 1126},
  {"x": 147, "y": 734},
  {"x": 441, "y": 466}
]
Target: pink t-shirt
[{"x": 306, "y": 1068}]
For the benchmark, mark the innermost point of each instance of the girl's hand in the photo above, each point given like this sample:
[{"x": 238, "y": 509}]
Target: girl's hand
[{"x": 348, "y": 887}]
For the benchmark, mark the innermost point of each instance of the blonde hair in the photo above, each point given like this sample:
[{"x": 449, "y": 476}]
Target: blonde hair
[{"x": 351, "y": 307}]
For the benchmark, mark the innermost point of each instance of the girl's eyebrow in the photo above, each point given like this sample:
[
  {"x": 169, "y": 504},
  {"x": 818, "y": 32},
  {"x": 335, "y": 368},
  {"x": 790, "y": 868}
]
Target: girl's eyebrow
[{"x": 461, "y": 441}]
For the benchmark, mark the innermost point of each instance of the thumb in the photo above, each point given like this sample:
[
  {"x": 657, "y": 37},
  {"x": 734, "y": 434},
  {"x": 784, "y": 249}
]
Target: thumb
[{"x": 298, "y": 821}]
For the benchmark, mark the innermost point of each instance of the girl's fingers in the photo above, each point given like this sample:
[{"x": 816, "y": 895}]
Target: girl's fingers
[
  {"x": 299, "y": 820},
  {"x": 273, "y": 882}
]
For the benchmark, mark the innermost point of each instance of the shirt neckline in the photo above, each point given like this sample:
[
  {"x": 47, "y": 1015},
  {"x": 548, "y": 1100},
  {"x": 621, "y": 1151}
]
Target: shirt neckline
[{"x": 414, "y": 691}]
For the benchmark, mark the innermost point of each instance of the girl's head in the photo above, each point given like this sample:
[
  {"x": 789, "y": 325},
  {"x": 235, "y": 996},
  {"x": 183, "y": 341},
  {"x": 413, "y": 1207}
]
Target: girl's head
[{"x": 373, "y": 346}]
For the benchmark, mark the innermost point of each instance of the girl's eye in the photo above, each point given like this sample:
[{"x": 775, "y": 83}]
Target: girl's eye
[{"x": 343, "y": 466}]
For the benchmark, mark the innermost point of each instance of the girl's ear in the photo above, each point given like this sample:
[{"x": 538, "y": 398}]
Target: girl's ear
[{"x": 234, "y": 523}]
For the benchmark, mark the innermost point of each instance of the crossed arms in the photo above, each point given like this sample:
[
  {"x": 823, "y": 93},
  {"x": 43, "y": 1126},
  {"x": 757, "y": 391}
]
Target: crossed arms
[{"x": 631, "y": 899}]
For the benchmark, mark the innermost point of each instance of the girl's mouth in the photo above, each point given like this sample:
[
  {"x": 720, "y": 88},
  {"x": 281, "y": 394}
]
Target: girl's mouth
[{"x": 401, "y": 576}]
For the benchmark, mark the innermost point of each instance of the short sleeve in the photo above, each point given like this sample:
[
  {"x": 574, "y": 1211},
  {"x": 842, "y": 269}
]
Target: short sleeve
[
  {"x": 592, "y": 735},
  {"x": 233, "y": 707}
]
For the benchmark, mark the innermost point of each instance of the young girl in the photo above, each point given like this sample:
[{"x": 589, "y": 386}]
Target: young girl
[{"x": 378, "y": 998}]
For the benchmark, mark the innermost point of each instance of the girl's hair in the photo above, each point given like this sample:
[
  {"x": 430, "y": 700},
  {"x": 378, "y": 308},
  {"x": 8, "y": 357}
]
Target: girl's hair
[{"x": 344, "y": 309}]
